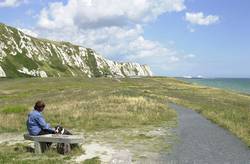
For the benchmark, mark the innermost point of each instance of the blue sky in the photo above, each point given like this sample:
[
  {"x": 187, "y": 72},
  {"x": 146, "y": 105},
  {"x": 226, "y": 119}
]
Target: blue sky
[{"x": 175, "y": 37}]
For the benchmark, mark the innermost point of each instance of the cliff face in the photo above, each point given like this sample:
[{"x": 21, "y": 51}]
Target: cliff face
[{"x": 22, "y": 55}]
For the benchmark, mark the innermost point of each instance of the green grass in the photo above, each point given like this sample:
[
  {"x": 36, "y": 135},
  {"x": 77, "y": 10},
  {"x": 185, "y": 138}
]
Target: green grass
[
  {"x": 18, "y": 154},
  {"x": 106, "y": 71},
  {"x": 91, "y": 62},
  {"x": 23, "y": 154},
  {"x": 105, "y": 104},
  {"x": 94, "y": 160},
  {"x": 18, "y": 109},
  {"x": 82, "y": 104}
]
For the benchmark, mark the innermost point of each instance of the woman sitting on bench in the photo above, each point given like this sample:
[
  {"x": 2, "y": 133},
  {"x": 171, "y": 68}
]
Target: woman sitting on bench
[{"x": 36, "y": 123}]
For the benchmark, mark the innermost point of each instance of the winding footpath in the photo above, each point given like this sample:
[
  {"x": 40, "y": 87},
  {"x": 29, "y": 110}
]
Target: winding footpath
[{"x": 203, "y": 142}]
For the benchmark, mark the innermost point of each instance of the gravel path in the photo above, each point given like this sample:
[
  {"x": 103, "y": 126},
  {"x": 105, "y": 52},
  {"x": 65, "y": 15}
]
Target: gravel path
[{"x": 203, "y": 142}]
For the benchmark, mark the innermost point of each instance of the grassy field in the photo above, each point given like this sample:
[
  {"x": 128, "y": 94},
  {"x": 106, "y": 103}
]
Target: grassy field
[
  {"x": 84, "y": 105},
  {"x": 103, "y": 104}
]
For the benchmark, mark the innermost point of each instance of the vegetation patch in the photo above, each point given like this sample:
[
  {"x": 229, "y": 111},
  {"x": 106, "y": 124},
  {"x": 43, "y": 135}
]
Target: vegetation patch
[
  {"x": 22, "y": 154},
  {"x": 11, "y": 69},
  {"x": 55, "y": 62},
  {"x": 16, "y": 109},
  {"x": 95, "y": 160},
  {"x": 106, "y": 71},
  {"x": 102, "y": 105},
  {"x": 91, "y": 62},
  {"x": 23, "y": 60}
]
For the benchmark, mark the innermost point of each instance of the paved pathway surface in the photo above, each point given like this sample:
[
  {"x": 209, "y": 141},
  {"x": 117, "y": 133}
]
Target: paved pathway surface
[{"x": 203, "y": 142}]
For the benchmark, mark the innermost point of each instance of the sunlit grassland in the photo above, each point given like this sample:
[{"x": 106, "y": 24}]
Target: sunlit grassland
[
  {"x": 99, "y": 104},
  {"x": 82, "y": 104},
  {"x": 86, "y": 105}
]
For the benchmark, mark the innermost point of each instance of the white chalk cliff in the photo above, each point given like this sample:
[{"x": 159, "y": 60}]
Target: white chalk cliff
[{"x": 24, "y": 55}]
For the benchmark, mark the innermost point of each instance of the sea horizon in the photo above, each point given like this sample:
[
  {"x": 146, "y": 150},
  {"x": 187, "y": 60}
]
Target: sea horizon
[{"x": 241, "y": 85}]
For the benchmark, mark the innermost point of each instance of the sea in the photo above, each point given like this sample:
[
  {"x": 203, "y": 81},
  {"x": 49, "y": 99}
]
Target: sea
[{"x": 241, "y": 85}]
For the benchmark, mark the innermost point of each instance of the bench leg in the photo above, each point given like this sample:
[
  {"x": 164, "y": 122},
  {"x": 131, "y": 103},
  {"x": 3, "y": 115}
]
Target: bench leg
[
  {"x": 40, "y": 147},
  {"x": 67, "y": 148},
  {"x": 63, "y": 148}
]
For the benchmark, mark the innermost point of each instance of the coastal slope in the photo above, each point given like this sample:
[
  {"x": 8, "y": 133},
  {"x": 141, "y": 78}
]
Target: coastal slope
[{"x": 22, "y": 55}]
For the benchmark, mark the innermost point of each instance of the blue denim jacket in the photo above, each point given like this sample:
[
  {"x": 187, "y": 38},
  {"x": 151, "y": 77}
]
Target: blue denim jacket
[{"x": 36, "y": 122}]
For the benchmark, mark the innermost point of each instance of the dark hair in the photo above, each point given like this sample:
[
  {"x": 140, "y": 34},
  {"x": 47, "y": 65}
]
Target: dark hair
[{"x": 39, "y": 106}]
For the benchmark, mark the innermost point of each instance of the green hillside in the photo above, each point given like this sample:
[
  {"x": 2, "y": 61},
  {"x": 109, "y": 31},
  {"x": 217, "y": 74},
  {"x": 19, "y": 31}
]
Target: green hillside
[{"x": 22, "y": 55}]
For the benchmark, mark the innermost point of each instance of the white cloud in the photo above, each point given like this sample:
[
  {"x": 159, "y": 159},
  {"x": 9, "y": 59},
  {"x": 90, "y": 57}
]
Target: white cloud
[
  {"x": 113, "y": 28},
  {"x": 104, "y": 13},
  {"x": 11, "y": 3},
  {"x": 122, "y": 44},
  {"x": 200, "y": 19},
  {"x": 190, "y": 56}
]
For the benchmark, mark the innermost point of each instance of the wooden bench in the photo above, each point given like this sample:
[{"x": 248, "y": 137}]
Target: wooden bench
[{"x": 41, "y": 140}]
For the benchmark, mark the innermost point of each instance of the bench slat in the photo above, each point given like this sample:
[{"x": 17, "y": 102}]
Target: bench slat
[{"x": 70, "y": 139}]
